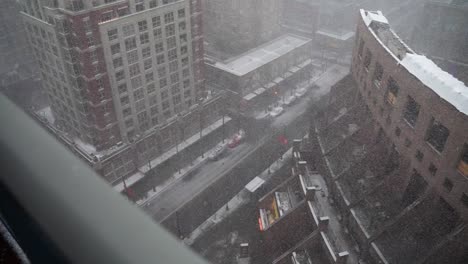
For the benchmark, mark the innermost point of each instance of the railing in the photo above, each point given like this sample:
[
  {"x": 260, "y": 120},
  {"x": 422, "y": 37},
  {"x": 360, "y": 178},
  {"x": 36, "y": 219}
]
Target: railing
[{"x": 77, "y": 217}]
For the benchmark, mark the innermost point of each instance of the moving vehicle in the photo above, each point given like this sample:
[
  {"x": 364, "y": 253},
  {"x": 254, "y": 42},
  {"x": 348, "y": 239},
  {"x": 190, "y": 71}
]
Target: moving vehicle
[
  {"x": 289, "y": 100},
  {"x": 237, "y": 139},
  {"x": 301, "y": 92},
  {"x": 277, "y": 111},
  {"x": 217, "y": 152}
]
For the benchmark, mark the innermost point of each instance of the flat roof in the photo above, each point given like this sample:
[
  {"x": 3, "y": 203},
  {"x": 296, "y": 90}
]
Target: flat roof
[{"x": 262, "y": 55}]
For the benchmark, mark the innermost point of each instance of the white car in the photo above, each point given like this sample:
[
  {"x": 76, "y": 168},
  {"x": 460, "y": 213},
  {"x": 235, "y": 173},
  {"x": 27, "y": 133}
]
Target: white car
[
  {"x": 289, "y": 100},
  {"x": 301, "y": 92},
  {"x": 276, "y": 111},
  {"x": 217, "y": 152}
]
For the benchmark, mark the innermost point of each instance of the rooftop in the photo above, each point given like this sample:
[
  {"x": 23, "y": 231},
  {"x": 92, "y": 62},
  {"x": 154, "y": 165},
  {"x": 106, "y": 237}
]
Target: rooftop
[
  {"x": 442, "y": 83},
  {"x": 262, "y": 55}
]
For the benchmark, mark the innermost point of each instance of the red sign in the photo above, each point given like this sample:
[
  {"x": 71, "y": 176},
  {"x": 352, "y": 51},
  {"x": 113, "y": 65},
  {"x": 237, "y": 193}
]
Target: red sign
[{"x": 283, "y": 140}]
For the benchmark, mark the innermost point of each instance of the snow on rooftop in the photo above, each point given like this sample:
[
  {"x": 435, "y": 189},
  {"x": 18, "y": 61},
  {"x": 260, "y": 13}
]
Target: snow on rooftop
[
  {"x": 47, "y": 114},
  {"x": 262, "y": 55},
  {"x": 88, "y": 148},
  {"x": 370, "y": 16},
  {"x": 442, "y": 83}
]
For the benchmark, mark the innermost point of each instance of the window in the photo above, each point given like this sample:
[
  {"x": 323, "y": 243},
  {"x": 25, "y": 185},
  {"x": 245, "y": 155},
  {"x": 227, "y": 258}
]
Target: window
[
  {"x": 186, "y": 83},
  {"x": 159, "y": 47},
  {"x": 168, "y": 18},
  {"x": 129, "y": 123},
  {"x": 184, "y": 61},
  {"x": 181, "y": 13},
  {"x": 185, "y": 72},
  {"x": 153, "y": 100},
  {"x": 183, "y": 38},
  {"x": 134, "y": 69},
  {"x": 173, "y": 66},
  {"x": 448, "y": 185},
  {"x": 378, "y": 73},
  {"x": 411, "y": 111},
  {"x": 432, "y": 169},
  {"x": 437, "y": 135},
  {"x": 182, "y": 26},
  {"x": 154, "y": 110},
  {"x": 142, "y": 26},
  {"x": 136, "y": 82},
  {"x": 172, "y": 54},
  {"x": 407, "y": 143},
  {"x": 155, "y": 120},
  {"x": 132, "y": 57},
  {"x": 170, "y": 30},
  {"x": 126, "y": 112},
  {"x": 90, "y": 40},
  {"x": 177, "y": 99},
  {"x": 187, "y": 94},
  {"x": 164, "y": 95},
  {"x": 112, "y": 34},
  {"x": 161, "y": 72},
  {"x": 115, "y": 49},
  {"x": 174, "y": 78},
  {"x": 140, "y": 105},
  {"x": 139, "y": 7},
  {"x": 464, "y": 199},
  {"x": 165, "y": 105},
  {"x": 149, "y": 77},
  {"x": 144, "y": 38},
  {"x": 162, "y": 82},
  {"x": 153, "y": 3},
  {"x": 361, "y": 48},
  {"x": 367, "y": 59},
  {"x": 156, "y": 21},
  {"x": 147, "y": 64},
  {"x": 419, "y": 155},
  {"x": 463, "y": 163},
  {"x": 122, "y": 88},
  {"x": 171, "y": 42},
  {"x": 160, "y": 59},
  {"x": 146, "y": 52},
  {"x": 157, "y": 33},
  {"x": 397, "y": 131},
  {"x": 392, "y": 91},
  {"x": 183, "y": 50},
  {"x": 117, "y": 62},
  {"x": 150, "y": 88},
  {"x": 130, "y": 43},
  {"x": 175, "y": 89},
  {"x": 124, "y": 100},
  {"x": 128, "y": 30},
  {"x": 142, "y": 117},
  {"x": 120, "y": 75},
  {"x": 138, "y": 94}
]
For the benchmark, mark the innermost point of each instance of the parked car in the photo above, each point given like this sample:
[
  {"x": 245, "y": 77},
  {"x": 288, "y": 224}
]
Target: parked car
[
  {"x": 237, "y": 139},
  {"x": 277, "y": 111},
  {"x": 289, "y": 100},
  {"x": 301, "y": 92},
  {"x": 217, "y": 152}
]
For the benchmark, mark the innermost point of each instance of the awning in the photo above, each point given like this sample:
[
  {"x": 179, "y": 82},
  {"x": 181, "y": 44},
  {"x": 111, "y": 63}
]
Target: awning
[
  {"x": 278, "y": 80},
  {"x": 249, "y": 97},
  {"x": 260, "y": 90},
  {"x": 254, "y": 184},
  {"x": 294, "y": 69},
  {"x": 269, "y": 85}
]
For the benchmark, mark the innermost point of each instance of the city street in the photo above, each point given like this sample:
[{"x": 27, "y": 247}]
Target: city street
[{"x": 199, "y": 194}]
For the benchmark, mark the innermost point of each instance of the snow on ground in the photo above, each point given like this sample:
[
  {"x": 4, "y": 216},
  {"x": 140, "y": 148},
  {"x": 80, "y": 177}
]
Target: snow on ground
[
  {"x": 88, "y": 148},
  {"x": 46, "y": 112},
  {"x": 170, "y": 153},
  {"x": 236, "y": 202},
  {"x": 199, "y": 161}
]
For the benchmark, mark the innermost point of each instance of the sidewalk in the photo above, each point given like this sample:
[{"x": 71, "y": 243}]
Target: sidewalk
[
  {"x": 176, "y": 176},
  {"x": 170, "y": 153},
  {"x": 236, "y": 202}
]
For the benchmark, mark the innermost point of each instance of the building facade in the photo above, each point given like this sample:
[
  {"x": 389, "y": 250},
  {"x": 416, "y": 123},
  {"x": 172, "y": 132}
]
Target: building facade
[
  {"x": 235, "y": 26},
  {"x": 120, "y": 76},
  {"x": 393, "y": 144},
  {"x": 272, "y": 68}
]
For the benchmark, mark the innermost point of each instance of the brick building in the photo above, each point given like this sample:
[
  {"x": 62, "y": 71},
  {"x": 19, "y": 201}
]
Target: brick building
[
  {"x": 121, "y": 76},
  {"x": 393, "y": 147}
]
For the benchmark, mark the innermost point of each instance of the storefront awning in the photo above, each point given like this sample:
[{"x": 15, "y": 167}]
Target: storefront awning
[
  {"x": 249, "y": 97},
  {"x": 260, "y": 90},
  {"x": 254, "y": 184}
]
